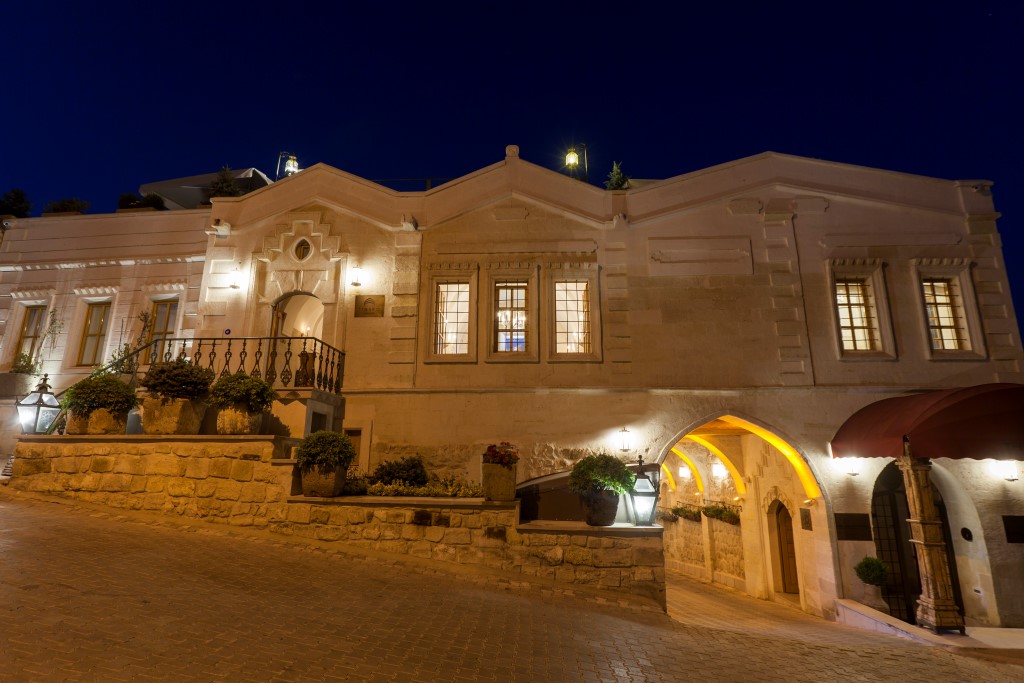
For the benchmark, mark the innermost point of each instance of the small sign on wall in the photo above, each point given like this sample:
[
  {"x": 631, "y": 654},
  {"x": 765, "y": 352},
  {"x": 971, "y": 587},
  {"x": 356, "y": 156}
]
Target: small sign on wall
[
  {"x": 805, "y": 519},
  {"x": 370, "y": 306}
]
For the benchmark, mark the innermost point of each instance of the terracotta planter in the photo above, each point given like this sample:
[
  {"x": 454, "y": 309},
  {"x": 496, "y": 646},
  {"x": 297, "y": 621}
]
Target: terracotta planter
[
  {"x": 599, "y": 509},
  {"x": 99, "y": 421},
  {"x": 315, "y": 484},
  {"x": 499, "y": 482},
  {"x": 237, "y": 420},
  {"x": 173, "y": 416}
]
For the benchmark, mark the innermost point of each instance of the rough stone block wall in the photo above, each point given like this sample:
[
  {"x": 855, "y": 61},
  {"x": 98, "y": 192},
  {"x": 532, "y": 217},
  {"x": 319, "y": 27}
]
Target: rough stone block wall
[
  {"x": 248, "y": 481},
  {"x": 684, "y": 546},
  {"x": 728, "y": 547}
]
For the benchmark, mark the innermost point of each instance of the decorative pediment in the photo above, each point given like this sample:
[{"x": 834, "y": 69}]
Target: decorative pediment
[
  {"x": 290, "y": 239},
  {"x": 32, "y": 294}
]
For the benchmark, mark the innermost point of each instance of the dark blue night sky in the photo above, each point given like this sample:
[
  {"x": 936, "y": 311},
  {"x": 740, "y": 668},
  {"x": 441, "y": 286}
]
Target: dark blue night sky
[{"x": 99, "y": 98}]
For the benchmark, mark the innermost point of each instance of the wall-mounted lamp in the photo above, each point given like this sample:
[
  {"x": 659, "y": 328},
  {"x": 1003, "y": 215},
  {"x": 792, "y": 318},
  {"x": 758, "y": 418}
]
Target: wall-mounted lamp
[
  {"x": 625, "y": 440},
  {"x": 236, "y": 277},
  {"x": 738, "y": 500},
  {"x": 1008, "y": 470},
  {"x": 685, "y": 473},
  {"x": 810, "y": 502},
  {"x": 718, "y": 471},
  {"x": 357, "y": 277},
  {"x": 851, "y": 466}
]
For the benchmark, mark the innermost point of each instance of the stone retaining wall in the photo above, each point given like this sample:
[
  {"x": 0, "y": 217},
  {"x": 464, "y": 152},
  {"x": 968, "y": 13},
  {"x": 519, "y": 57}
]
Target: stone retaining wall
[{"x": 251, "y": 481}]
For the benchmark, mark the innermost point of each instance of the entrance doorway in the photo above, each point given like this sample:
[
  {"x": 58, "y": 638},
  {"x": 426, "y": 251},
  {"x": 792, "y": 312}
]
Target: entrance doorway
[
  {"x": 783, "y": 549},
  {"x": 297, "y": 315},
  {"x": 889, "y": 513}
]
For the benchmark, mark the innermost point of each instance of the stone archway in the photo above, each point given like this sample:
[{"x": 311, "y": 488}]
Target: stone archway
[{"x": 297, "y": 314}]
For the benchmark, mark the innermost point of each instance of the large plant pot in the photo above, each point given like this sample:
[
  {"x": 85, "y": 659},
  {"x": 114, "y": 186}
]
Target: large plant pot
[
  {"x": 237, "y": 420},
  {"x": 499, "y": 482},
  {"x": 599, "y": 509},
  {"x": 99, "y": 421},
  {"x": 172, "y": 416},
  {"x": 315, "y": 484},
  {"x": 873, "y": 598}
]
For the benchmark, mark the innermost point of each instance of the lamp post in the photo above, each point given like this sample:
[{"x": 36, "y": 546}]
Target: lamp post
[
  {"x": 572, "y": 162},
  {"x": 645, "y": 496},
  {"x": 39, "y": 409},
  {"x": 291, "y": 165}
]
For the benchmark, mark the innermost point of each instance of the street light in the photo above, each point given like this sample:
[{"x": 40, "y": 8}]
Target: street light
[
  {"x": 291, "y": 165},
  {"x": 39, "y": 409},
  {"x": 572, "y": 162}
]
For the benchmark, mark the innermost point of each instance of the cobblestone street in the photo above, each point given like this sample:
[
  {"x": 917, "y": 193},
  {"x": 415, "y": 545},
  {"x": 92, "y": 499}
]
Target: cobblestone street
[{"x": 88, "y": 594}]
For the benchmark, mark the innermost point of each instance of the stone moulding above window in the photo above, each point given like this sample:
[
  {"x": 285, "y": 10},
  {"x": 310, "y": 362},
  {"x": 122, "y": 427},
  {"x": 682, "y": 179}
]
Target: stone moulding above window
[
  {"x": 955, "y": 272},
  {"x": 161, "y": 287},
  {"x": 33, "y": 295},
  {"x": 849, "y": 279},
  {"x": 96, "y": 291}
]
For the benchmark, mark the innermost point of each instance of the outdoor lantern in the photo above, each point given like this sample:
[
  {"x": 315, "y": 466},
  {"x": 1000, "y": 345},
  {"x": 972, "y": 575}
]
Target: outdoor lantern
[
  {"x": 357, "y": 277},
  {"x": 572, "y": 159},
  {"x": 625, "y": 440},
  {"x": 291, "y": 166},
  {"x": 645, "y": 497},
  {"x": 38, "y": 410}
]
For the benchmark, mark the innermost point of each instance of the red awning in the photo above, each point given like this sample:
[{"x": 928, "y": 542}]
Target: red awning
[{"x": 984, "y": 421}]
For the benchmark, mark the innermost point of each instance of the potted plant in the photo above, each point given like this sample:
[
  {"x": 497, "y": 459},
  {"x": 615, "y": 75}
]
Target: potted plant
[
  {"x": 175, "y": 404},
  {"x": 498, "y": 474},
  {"x": 323, "y": 459},
  {"x": 98, "y": 405},
  {"x": 241, "y": 400},
  {"x": 872, "y": 571},
  {"x": 599, "y": 480}
]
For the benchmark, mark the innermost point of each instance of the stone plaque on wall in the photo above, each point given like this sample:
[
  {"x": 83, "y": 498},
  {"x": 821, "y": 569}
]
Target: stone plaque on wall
[
  {"x": 805, "y": 519},
  {"x": 370, "y": 306}
]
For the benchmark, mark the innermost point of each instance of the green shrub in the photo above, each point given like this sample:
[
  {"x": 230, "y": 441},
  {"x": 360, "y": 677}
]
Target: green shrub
[
  {"x": 722, "y": 513},
  {"x": 601, "y": 472},
  {"x": 101, "y": 391},
  {"x": 409, "y": 470},
  {"x": 690, "y": 512},
  {"x": 325, "y": 452},
  {"x": 24, "y": 364},
  {"x": 447, "y": 487},
  {"x": 178, "y": 378},
  {"x": 254, "y": 393},
  {"x": 871, "y": 571}
]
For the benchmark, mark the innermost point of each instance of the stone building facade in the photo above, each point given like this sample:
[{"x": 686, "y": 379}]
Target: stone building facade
[{"x": 732, "y": 319}]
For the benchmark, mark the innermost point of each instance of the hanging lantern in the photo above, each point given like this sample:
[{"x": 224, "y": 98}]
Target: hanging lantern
[{"x": 38, "y": 410}]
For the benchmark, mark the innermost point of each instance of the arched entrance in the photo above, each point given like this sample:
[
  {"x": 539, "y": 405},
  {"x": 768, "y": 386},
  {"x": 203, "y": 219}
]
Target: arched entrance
[
  {"x": 783, "y": 548},
  {"x": 298, "y": 314},
  {"x": 889, "y": 514}
]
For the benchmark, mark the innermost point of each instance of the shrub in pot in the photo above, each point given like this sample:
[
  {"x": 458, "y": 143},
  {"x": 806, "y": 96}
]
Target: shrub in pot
[
  {"x": 98, "y": 405},
  {"x": 241, "y": 400},
  {"x": 872, "y": 571},
  {"x": 176, "y": 402},
  {"x": 498, "y": 471},
  {"x": 323, "y": 459},
  {"x": 599, "y": 480}
]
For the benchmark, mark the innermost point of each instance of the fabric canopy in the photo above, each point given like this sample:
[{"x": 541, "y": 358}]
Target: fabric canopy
[{"x": 983, "y": 421}]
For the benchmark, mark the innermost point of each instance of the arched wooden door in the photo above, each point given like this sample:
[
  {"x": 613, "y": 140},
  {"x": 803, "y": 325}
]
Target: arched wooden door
[{"x": 784, "y": 549}]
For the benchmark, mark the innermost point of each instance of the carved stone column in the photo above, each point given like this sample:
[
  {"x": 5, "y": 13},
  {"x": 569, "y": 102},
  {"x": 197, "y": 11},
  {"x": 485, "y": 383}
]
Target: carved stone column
[{"x": 936, "y": 608}]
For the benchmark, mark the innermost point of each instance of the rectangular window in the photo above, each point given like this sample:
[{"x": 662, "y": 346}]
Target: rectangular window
[
  {"x": 451, "y": 318},
  {"x": 162, "y": 320},
  {"x": 857, "y": 326},
  {"x": 945, "y": 323},
  {"x": 510, "y": 316},
  {"x": 32, "y": 330},
  {"x": 94, "y": 335},
  {"x": 572, "y": 317}
]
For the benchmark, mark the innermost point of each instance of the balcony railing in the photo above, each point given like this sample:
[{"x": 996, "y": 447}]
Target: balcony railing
[{"x": 285, "y": 362}]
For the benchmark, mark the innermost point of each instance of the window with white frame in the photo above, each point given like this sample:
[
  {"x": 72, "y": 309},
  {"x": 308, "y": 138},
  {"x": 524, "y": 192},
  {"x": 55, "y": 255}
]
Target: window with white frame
[
  {"x": 511, "y": 316},
  {"x": 861, "y": 309},
  {"x": 94, "y": 334},
  {"x": 944, "y": 314},
  {"x": 572, "y": 317},
  {"x": 451, "y": 318},
  {"x": 32, "y": 330}
]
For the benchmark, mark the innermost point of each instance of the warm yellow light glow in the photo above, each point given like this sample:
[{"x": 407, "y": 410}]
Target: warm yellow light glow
[
  {"x": 357, "y": 277},
  {"x": 625, "y": 440},
  {"x": 737, "y": 480},
  {"x": 291, "y": 166},
  {"x": 1004, "y": 469},
  {"x": 693, "y": 468},
  {"x": 810, "y": 485},
  {"x": 718, "y": 470},
  {"x": 572, "y": 159},
  {"x": 235, "y": 281},
  {"x": 667, "y": 476},
  {"x": 684, "y": 472}
]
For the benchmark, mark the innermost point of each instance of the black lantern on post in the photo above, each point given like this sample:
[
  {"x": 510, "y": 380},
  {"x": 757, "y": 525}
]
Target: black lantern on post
[
  {"x": 645, "y": 497},
  {"x": 38, "y": 410}
]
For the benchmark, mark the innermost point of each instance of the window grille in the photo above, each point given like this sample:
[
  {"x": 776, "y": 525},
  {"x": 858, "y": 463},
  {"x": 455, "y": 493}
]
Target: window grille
[
  {"x": 945, "y": 324},
  {"x": 510, "y": 317},
  {"x": 451, "y": 318},
  {"x": 572, "y": 317},
  {"x": 857, "y": 324}
]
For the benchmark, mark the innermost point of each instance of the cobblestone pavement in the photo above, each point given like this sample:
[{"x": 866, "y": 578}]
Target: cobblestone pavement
[{"x": 93, "y": 595}]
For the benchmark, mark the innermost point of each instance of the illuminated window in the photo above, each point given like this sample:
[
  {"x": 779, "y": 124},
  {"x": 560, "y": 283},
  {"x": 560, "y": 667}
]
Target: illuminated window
[
  {"x": 572, "y": 317},
  {"x": 31, "y": 330},
  {"x": 162, "y": 320},
  {"x": 510, "y": 316},
  {"x": 94, "y": 334},
  {"x": 451, "y": 318},
  {"x": 945, "y": 323},
  {"x": 858, "y": 328}
]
